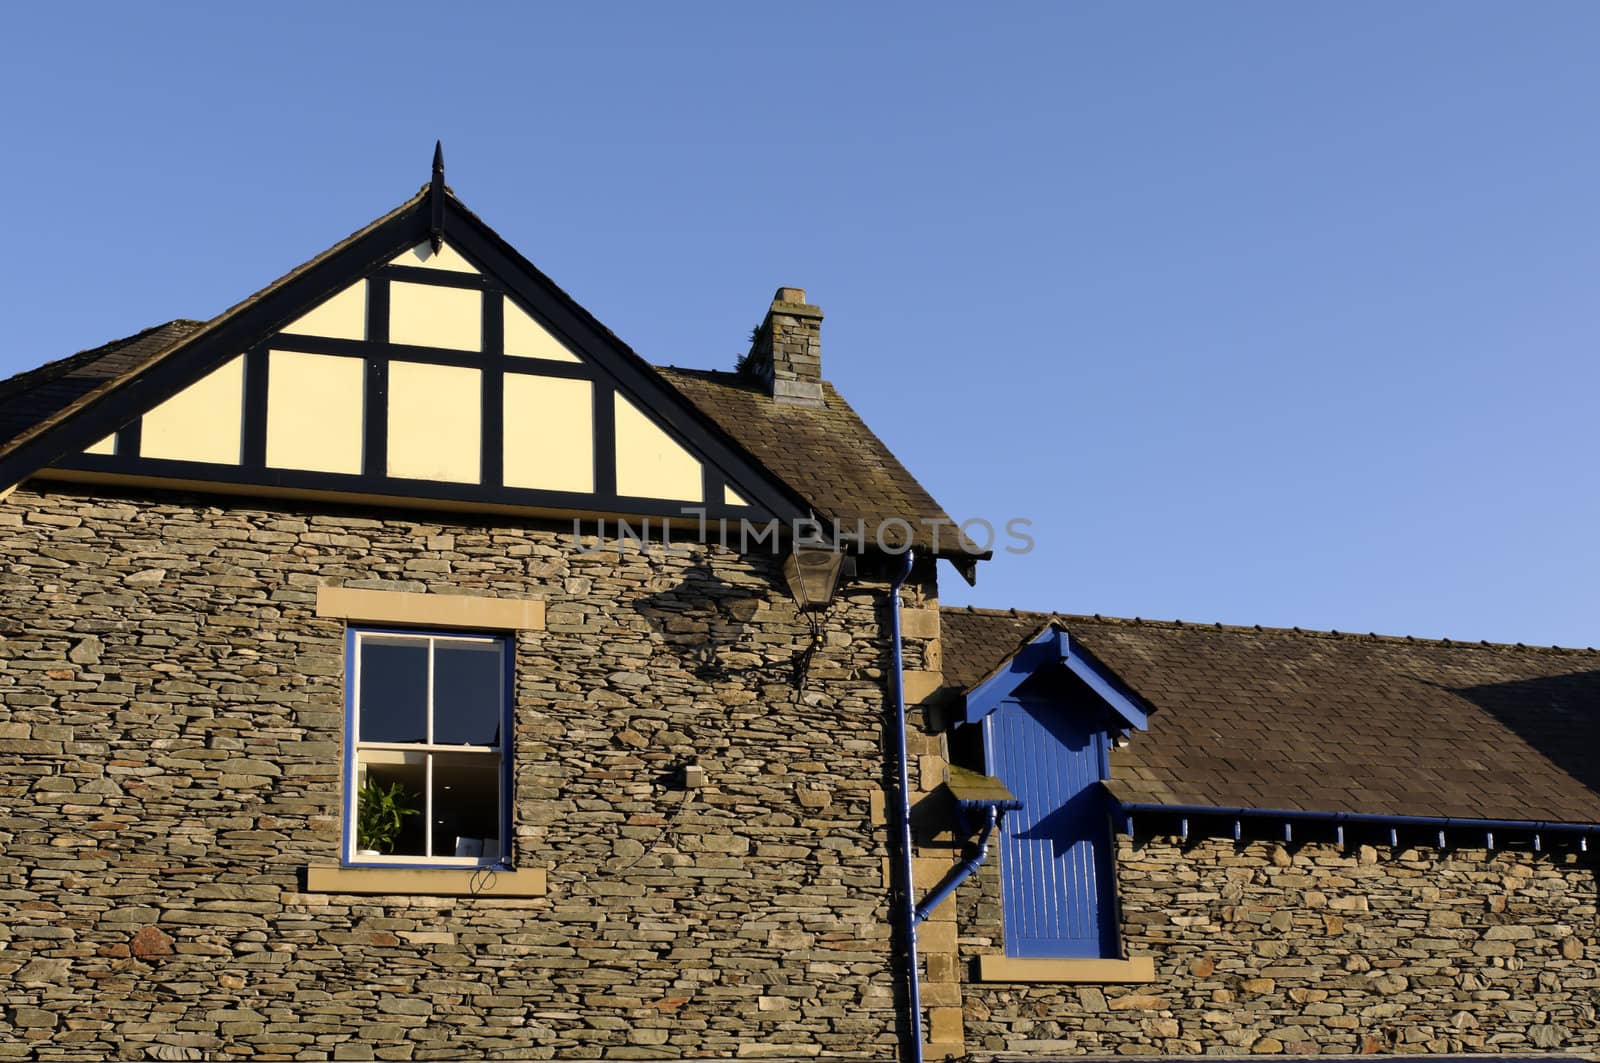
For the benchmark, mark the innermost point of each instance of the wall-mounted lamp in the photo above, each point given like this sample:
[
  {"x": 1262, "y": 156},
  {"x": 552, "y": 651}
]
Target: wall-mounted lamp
[{"x": 813, "y": 575}]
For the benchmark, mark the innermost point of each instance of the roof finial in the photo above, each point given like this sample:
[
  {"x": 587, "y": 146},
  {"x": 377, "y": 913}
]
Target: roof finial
[{"x": 436, "y": 199}]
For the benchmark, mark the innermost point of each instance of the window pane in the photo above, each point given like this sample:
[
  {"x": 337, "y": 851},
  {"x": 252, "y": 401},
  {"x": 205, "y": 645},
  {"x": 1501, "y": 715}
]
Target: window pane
[
  {"x": 468, "y": 683},
  {"x": 394, "y": 690},
  {"x": 466, "y": 804},
  {"x": 389, "y": 803}
]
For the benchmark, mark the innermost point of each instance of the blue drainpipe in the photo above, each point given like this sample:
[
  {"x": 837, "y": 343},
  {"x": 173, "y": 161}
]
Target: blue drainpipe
[
  {"x": 992, "y": 819},
  {"x": 907, "y": 913}
]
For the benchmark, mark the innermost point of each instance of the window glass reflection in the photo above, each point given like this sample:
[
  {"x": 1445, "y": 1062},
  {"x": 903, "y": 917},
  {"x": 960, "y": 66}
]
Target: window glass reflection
[
  {"x": 468, "y": 679},
  {"x": 394, "y": 690}
]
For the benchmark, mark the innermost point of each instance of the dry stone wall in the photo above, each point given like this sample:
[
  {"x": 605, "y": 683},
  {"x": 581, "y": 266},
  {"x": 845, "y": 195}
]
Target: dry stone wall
[
  {"x": 171, "y": 713},
  {"x": 1266, "y": 949},
  {"x": 171, "y": 716}
]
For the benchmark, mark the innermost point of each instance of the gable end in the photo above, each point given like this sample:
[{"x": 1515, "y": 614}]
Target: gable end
[{"x": 390, "y": 369}]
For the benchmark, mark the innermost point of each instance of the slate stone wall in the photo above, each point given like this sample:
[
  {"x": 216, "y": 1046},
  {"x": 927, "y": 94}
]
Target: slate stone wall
[
  {"x": 1266, "y": 949},
  {"x": 170, "y": 732}
]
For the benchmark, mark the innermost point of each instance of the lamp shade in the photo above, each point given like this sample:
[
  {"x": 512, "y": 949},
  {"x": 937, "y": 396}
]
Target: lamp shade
[{"x": 813, "y": 575}]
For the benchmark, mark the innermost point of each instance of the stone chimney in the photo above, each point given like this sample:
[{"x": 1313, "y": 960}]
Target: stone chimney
[{"x": 787, "y": 352}]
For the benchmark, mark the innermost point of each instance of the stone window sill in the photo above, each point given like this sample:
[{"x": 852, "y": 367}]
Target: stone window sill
[
  {"x": 427, "y": 881},
  {"x": 1014, "y": 969}
]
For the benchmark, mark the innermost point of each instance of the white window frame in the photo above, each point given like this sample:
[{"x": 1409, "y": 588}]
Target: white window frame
[{"x": 428, "y": 749}]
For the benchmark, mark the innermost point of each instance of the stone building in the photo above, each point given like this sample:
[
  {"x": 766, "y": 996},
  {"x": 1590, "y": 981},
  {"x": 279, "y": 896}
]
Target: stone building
[
  {"x": 399, "y": 666},
  {"x": 1246, "y": 841}
]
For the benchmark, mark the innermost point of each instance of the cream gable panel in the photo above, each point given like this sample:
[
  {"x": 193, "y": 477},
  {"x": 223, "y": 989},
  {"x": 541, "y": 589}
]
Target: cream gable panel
[
  {"x": 314, "y": 411},
  {"x": 526, "y": 338},
  {"x": 435, "y": 417},
  {"x": 650, "y": 463},
  {"x": 425, "y": 257},
  {"x": 312, "y": 428},
  {"x": 549, "y": 433},
  {"x": 343, "y": 317},
  {"x": 430, "y": 315},
  {"x": 203, "y": 422}
]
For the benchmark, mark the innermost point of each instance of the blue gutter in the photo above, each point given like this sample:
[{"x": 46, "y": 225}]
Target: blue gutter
[
  {"x": 907, "y": 911},
  {"x": 1129, "y": 809}
]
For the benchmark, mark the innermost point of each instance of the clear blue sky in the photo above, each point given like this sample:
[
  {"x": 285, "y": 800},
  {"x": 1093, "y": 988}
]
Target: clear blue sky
[{"x": 1264, "y": 313}]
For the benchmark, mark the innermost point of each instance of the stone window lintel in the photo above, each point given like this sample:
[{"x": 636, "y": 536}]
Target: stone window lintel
[{"x": 456, "y": 611}]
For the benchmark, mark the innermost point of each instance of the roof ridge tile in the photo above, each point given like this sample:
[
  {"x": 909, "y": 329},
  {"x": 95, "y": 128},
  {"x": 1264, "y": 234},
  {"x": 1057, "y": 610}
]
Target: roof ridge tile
[{"x": 1258, "y": 629}]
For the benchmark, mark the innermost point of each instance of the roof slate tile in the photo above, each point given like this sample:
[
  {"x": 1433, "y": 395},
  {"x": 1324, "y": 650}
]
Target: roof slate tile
[
  {"x": 828, "y": 455},
  {"x": 1267, "y": 718},
  {"x": 38, "y": 395}
]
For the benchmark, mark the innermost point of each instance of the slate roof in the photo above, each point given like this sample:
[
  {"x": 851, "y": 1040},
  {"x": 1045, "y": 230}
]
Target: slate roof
[
  {"x": 828, "y": 455},
  {"x": 38, "y": 396},
  {"x": 1321, "y": 721}
]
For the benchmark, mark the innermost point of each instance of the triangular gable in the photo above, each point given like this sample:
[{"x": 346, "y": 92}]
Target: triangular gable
[
  {"x": 1051, "y": 648},
  {"x": 421, "y": 360}
]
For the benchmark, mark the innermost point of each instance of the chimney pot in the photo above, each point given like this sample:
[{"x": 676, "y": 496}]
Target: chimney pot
[{"x": 790, "y": 295}]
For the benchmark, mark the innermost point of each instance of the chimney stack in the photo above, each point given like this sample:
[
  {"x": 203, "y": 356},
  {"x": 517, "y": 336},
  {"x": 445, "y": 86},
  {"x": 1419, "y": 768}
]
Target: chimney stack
[{"x": 787, "y": 352}]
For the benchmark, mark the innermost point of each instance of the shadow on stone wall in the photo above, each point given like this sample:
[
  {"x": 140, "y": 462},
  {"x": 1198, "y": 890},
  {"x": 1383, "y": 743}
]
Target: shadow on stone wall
[{"x": 712, "y": 625}]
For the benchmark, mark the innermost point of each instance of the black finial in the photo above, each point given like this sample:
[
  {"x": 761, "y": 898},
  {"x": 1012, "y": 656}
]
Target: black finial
[{"x": 436, "y": 199}]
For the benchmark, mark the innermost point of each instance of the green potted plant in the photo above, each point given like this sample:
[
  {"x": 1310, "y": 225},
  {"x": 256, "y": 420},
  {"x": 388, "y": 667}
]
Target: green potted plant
[{"x": 380, "y": 816}]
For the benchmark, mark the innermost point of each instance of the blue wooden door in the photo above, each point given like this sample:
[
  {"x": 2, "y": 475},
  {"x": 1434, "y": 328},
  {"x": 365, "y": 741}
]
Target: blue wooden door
[{"x": 1057, "y": 892}]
